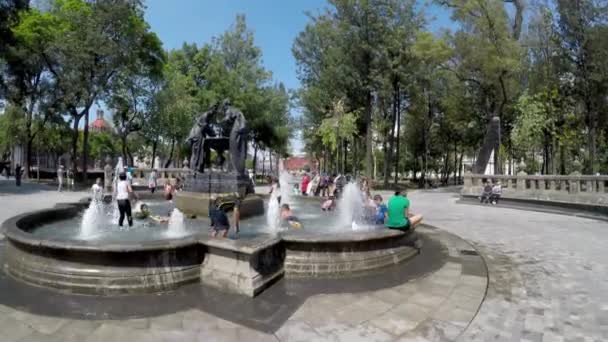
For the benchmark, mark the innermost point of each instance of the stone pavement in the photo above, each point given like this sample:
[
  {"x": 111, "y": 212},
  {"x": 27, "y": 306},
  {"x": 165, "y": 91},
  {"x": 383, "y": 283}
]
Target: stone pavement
[
  {"x": 29, "y": 197},
  {"x": 438, "y": 305},
  {"x": 548, "y": 273}
]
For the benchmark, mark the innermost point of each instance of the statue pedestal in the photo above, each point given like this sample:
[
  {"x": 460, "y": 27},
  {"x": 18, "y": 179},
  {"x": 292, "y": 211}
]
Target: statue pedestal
[{"x": 200, "y": 189}]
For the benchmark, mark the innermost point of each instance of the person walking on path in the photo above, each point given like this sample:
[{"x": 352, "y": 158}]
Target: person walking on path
[{"x": 18, "y": 175}]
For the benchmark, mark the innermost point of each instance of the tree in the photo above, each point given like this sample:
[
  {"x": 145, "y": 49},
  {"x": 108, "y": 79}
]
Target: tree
[
  {"x": 342, "y": 53},
  {"x": 582, "y": 31},
  {"x": 132, "y": 91},
  {"x": 338, "y": 127},
  {"x": 177, "y": 108},
  {"x": 488, "y": 55},
  {"x": 85, "y": 45}
]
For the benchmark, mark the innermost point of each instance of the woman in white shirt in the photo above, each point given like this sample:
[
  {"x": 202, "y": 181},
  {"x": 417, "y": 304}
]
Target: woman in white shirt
[{"x": 123, "y": 190}]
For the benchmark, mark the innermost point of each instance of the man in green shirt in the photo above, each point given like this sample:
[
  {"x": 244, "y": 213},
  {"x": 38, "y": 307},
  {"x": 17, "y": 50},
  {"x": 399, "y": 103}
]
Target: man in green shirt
[{"x": 399, "y": 213}]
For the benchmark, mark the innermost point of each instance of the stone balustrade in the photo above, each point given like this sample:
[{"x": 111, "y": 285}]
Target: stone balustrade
[
  {"x": 574, "y": 188},
  {"x": 169, "y": 173}
]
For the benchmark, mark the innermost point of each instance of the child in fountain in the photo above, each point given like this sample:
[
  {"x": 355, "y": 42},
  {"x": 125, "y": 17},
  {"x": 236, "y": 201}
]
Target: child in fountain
[
  {"x": 141, "y": 211},
  {"x": 123, "y": 192},
  {"x": 219, "y": 219},
  {"x": 381, "y": 210},
  {"x": 97, "y": 190},
  {"x": 289, "y": 218},
  {"x": 329, "y": 204}
]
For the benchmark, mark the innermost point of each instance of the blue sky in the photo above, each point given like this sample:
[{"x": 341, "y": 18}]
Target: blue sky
[{"x": 276, "y": 23}]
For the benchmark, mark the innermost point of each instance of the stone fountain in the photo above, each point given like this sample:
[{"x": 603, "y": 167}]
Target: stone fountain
[
  {"x": 222, "y": 128},
  {"x": 79, "y": 248}
]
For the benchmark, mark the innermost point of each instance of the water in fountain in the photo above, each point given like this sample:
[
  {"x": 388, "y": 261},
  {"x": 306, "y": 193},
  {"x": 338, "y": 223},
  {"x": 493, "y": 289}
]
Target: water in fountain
[
  {"x": 273, "y": 213},
  {"x": 285, "y": 187},
  {"x": 177, "y": 227},
  {"x": 92, "y": 218},
  {"x": 117, "y": 171},
  {"x": 350, "y": 206}
]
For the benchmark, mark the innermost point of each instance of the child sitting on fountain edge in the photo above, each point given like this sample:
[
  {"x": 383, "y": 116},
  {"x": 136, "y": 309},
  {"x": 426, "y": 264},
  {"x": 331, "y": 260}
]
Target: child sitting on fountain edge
[{"x": 381, "y": 210}]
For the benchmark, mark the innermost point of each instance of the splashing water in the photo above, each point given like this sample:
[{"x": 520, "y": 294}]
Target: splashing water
[
  {"x": 117, "y": 171},
  {"x": 273, "y": 213},
  {"x": 285, "y": 187},
  {"x": 177, "y": 226},
  {"x": 350, "y": 206},
  {"x": 91, "y": 219}
]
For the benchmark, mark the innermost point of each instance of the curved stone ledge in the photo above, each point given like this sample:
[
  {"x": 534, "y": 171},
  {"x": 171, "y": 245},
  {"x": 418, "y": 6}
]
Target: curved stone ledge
[
  {"x": 348, "y": 254},
  {"x": 99, "y": 272},
  {"x": 245, "y": 266}
]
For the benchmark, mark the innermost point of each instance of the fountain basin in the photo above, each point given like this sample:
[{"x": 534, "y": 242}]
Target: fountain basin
[
  {"x": 246, "y": 265},
  {"x": 89, "y": 268},
  {"x": 345, "y": 254}
]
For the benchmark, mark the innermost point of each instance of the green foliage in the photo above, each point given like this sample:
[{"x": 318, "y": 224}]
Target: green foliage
[
  {"x": 103, "y": 144},
  {"x": 230, "y": 68},
  {"x": 533, "y": 122},
  {"x": 338, "y": 125},
  {"x": 11, "y": 127},
  {"x": 85, "y": 47}
]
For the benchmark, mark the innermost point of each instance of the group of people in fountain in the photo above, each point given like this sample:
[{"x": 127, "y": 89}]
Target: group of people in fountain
[
  {"x": 393, "y": 215},
  {"x": 123, "y": 193}
]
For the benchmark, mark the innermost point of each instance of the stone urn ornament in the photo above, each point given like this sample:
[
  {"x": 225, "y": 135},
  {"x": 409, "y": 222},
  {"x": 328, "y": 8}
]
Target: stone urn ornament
[
  {"x": 521, "y": 167},
  {"x": 577, "y": 167}
]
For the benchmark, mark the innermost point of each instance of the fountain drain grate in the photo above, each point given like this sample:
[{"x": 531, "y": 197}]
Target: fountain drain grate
[{"x": 468, "y": 252}]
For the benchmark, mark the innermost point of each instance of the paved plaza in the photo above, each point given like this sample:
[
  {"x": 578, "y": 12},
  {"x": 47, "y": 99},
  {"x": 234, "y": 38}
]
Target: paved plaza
[{"x": 539, "y": 277}]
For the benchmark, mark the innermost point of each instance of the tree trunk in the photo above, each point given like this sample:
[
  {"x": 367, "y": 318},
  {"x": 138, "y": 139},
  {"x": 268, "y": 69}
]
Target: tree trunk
[
  {"x": 255, "y": 159},
  {"x": 76, "y": 117},
  {"x": 446, "y": 163},
  {"x": 553, "y": 151},
  {"x": 592, "y": 147},
  {"x": 123, "y": 139},
  {"x": 460, "y": 166},
  {"x": 368, "y": 134},
  {"x": 344, "y": 147},
  {"x": 131, "y": 158},
  {"x": 154, "y": 147},
  {"x": 263, "y": 163},
  {"x": 455, "y": 161},
  {"x": 28, "y": 154},
  {"x": 562, "y": 160},
  {"x": 270, "y": 161},
  {"x": 490, "y": 143},
  {"x": 397, "y": 127},
  {"x": 85, "y": 147},
  {"x": 355, "y": 156},
  {"x": 170, "y": 154}
]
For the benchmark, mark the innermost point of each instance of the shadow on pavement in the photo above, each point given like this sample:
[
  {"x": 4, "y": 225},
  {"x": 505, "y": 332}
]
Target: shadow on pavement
[{"x": 267, "y": 312}]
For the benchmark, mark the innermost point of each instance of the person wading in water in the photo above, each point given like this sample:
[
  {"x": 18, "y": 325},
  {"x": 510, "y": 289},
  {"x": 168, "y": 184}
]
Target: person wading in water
[{"x": 123, "y": 192}]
